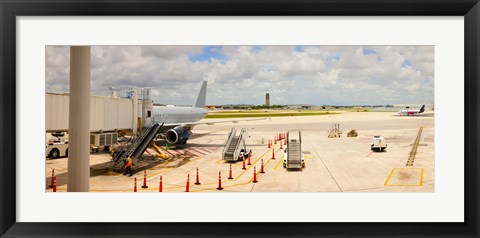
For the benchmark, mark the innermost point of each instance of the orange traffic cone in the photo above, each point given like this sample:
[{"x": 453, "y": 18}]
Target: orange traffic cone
[
  {"x": 254, "y": 175},
  {"x": 187, "y": 186},
  {"x": 219, "y": 181},
  {"x": 230, "y": 174},
  {"x": 268, "y": 144},
  {"x": 160, "y": 186},
  {"x": 281, "y": 145},
  {"x": 144, "y": 179},
  {"x": 261, "y": 168},
  {"x": 54, "y": 186},
  {"x": 135, "y": 185},
  {"x": 249, "y": 160},
  {"x": 273, "y": 154},
  {"x": 198, "y": 179},
  {"x": 285, "y": 142},
  {"x": 51, "y": 181},
  {"x": 243, "y": 165}
]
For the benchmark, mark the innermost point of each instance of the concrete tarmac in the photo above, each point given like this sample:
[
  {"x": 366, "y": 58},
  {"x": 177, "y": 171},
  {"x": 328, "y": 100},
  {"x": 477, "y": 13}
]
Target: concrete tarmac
[{"x": 344, "y": 164}]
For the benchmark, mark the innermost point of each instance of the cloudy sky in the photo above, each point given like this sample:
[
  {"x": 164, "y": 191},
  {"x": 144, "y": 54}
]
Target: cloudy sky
[{"x": 320, "y": 75}]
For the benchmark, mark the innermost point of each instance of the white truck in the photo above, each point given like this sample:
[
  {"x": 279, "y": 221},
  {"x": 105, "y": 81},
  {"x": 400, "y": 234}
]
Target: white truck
[
  {"x": 56, "y": 147},
  {"x": 378, "y": 144}
]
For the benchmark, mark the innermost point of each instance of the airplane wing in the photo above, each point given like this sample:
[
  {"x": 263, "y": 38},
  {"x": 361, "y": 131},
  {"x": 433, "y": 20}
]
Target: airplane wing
[{"x": 168, "y": 126}]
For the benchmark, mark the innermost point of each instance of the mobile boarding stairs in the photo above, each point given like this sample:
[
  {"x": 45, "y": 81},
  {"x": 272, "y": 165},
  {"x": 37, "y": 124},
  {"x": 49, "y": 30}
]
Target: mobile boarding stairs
[
  {"x": 294, "y": 150},
  {"x": 234, "y": 145},
  {"x": 136, "y": 146}
]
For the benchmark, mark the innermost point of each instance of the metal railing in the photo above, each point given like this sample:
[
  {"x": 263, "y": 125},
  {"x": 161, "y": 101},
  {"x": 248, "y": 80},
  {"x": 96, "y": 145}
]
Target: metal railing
[
  {"x": 240, "y": 139},
  {"x": 232, "y": 133}
]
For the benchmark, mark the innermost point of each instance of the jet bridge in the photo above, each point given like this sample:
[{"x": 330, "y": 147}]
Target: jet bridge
[
  {"x": 234, "y": 145},
  {"x": 136, "y": 146}
]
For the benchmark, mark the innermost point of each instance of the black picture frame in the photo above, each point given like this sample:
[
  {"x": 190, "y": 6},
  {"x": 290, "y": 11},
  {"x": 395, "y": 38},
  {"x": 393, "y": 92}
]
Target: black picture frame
[{"x": 10, "y": 9}]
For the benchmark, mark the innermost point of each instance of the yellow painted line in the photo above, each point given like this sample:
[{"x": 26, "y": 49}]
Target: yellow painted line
[
  {"x": 252, "y": 165},
  {"x": 389, "y": 177},
  {"x": 405, "y": 185},
  {"x": 391, "y": 173},
  {"x": 157, "y": 174},
  {"x": 408, "y": 168},
  {"x": 240, "y": 175},
  {"x": 278, "y": 163},
  {"x": 421, "y": 178},
  {"x": 223, "y": 181},
  {"x": 266, "y": 162},
  {"x": 226, "y": 186},
  {"x": 220, "y": 160},
  {"x": 258, "y": 172},
  {"x": 94, "y": 190},
  {"x": 415, "y": 147},
  {"x": 192, "y": 186}
]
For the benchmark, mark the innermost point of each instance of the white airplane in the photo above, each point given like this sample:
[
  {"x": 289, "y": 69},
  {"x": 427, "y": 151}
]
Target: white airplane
[
  {"x": 179, "y": 121},
  {"x": 408, "y": 112}
]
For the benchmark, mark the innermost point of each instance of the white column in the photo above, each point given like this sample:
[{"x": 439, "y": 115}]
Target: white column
[{"x": 79, "y": 120}]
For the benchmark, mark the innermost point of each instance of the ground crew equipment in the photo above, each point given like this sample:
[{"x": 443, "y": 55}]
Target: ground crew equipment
[
  {"x": 294, "y": 158},
  {"x": 234, "y": 146}
]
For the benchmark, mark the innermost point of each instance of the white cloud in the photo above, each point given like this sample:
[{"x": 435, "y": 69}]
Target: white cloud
[{"x": 243, "y": 74}]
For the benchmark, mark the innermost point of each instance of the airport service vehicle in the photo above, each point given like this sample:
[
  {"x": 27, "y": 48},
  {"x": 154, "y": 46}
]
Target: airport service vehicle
[
  {"x": 102, "y": 140},
  {"x": 244, "y": 154},
  {"x": 379, "y": 144},
  {"x": 408, "y": 112},
  {"x": 57, "y": 147},
  {"x": 294, "y": 158}
]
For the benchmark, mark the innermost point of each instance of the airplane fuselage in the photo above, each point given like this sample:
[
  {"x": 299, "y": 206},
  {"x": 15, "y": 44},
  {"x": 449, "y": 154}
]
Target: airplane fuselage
[
  {"x": 179, "y": 115},
  {"x": 408, "y": 112}
]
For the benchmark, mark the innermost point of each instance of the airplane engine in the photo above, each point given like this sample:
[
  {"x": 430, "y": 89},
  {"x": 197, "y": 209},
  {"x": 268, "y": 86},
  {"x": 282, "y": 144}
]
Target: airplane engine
[{"x": 178, "y": 135}]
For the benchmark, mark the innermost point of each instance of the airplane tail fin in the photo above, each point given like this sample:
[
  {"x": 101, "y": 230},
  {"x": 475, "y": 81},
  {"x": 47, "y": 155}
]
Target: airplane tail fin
[
  {"x": 422, "y": 109},
  {"x": 202, "y": 96}
]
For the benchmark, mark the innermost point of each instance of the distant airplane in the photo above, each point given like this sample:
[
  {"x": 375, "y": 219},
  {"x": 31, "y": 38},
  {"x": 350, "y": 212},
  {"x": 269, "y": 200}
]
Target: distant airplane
[
  {"x": 179, "y": 121},
  {"x": 408, "y": 112}
]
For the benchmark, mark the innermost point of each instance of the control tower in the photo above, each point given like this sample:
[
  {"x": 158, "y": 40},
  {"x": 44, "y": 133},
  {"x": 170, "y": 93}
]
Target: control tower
[{"x": 267, "y": 100}]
